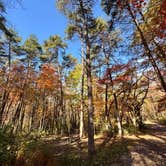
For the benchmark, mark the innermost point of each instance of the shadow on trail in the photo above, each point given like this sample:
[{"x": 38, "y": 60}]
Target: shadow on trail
[{"x": 147, "y": 149}]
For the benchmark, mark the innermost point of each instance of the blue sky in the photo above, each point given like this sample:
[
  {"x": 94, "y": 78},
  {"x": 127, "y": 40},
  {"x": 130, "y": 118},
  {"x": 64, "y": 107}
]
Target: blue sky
[{"x": 40, "y": 17}]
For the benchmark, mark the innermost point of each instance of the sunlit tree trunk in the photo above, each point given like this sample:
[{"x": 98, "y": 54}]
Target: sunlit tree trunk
[
  {"x": 119, "y": 123},
  {"x": 82, "y": 98},
  {"x": 4, "y": 101}
]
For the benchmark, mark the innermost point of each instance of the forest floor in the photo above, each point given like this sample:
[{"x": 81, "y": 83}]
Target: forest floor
[
  {"x": 148, "y": 148},
  {"x": 144, "y": 149}
]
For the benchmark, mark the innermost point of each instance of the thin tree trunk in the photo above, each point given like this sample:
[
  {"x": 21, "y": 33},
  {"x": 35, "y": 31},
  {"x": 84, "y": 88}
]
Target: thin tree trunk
[
  {"x": 106, "y": 100},
  {"x": 91, "y": 144},
  {"x": 4, "y": 102},
  {"x": 82, "y": 98},
  {"x": 107, "y": 125},
  {"x": 9, "y": 55},
  {"x": 118, "y": 116},
  {"x": 148, "y": 51}
]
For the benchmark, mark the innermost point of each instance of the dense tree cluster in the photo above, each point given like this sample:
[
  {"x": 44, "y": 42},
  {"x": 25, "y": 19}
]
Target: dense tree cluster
[{"x": 115, "y": 85}]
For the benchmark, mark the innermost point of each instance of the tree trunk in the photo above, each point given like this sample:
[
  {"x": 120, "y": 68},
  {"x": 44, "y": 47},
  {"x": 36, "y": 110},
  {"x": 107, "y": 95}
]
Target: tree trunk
[
  {"x": 107, "y": 123},
  {"x": 118, "y": 116},
  {"x": 91, "y": 145},
  {"x": 82, "y": 98},
  {"x": 4, "y": 101},
  {"x": 148, "y": 51},
  {"x": 9, "y": 55}
]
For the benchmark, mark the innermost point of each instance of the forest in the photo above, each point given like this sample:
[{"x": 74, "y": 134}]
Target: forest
[{"x": 105, "y": 106}]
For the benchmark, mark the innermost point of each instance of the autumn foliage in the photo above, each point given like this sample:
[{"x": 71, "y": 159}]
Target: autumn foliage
[
  {"x": 48, "y": 77},
  {"x": 118, "y": 81},
  {"x": 116, "y": 74},
  {"x": 162, "y": 20}
]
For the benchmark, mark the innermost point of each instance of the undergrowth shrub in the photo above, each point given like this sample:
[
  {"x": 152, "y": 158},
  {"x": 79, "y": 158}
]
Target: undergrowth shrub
[
  {"x": 162, "y": 121},
  {"x": 8, "y": 145},
  {"x": 129, "y": 129},
  {"x": 110, "y": 155},
  {"x": 14, "y": 145}
]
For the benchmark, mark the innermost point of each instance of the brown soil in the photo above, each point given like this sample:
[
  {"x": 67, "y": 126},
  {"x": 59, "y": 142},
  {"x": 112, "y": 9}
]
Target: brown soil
[{"x": 148, "y": 149}]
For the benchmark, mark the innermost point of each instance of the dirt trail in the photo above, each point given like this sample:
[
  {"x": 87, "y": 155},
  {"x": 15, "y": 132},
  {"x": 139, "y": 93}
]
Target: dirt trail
[{"x": 148, "y": 149}]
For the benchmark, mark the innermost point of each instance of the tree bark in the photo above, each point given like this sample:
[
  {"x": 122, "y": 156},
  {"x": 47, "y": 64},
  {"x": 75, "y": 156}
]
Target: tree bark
[
  {"x": 9, "y": 55},
  {"x": 91, "y": 144},
  {"x": 82, "y": 98},
  {"x": 118, "y": 116}
]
